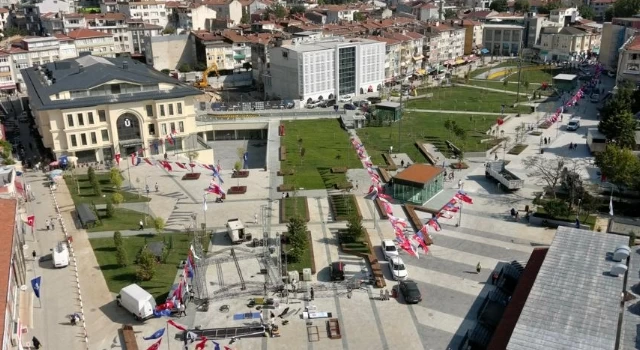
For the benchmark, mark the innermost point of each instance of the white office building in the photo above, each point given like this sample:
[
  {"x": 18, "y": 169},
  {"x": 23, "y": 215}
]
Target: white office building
[{"x": 325, "y": 69}]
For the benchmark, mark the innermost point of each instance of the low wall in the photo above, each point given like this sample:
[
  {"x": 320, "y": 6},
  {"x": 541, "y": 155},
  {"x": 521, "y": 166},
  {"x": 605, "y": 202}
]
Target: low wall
[{"x": 534, "y": 220}]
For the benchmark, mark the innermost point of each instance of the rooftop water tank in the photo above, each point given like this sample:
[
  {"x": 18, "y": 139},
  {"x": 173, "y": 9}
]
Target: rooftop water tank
[
  {"x": 621, "y": 253},
  {"x": 618, "y": 269}
]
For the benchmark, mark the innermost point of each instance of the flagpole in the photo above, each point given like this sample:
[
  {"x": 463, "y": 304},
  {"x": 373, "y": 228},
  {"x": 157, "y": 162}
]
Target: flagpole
[{"x": 129, "y": 174}]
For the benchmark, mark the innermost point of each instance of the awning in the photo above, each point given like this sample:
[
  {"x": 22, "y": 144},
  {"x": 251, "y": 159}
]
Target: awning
[
  {"x": 460, "y": 61},
  {"x": 239, "y": 56},
  {"x": 417, "y": 58},
  {"x": 421, "y": 71},
  {"x": 484, "y": 51}
]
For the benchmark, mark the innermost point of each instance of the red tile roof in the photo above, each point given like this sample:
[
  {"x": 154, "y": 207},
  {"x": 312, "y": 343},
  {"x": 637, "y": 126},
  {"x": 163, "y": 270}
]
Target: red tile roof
[
  {"x": 8, "y": 209},
  {"x": 634, "y": 44},
  {"x": 87, "y": 34},
  {"x": 419, "y": 173},
  {"x": 116, "y": 16}
]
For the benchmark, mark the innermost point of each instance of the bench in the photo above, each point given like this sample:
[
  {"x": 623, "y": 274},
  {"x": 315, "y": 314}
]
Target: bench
[
  {"x": 384, "y": 174},
  {"x": 426, "y": 153},
  {"x": 383, "y": 213},
  {"x": 415, "y": 220},
  {"x": 283, "y": 153},
  {"x": 129, "y": 337},
  {"x": 391, "y": 165},
  {"x": 376, "y": 271}
]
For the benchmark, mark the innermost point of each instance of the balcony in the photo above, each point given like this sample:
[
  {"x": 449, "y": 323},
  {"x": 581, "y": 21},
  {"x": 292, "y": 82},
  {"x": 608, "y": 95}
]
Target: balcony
[{"x": 239, "y": 56}]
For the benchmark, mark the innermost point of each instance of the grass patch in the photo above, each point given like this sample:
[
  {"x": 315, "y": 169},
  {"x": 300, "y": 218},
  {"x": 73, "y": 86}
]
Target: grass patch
[
  {"x": 508, "y": 63},
  {"x": 498, "y": 85},
  {"x": 539, "y": 75},
  {"x": 294, "y": 206},
  {"x": 86, "y": 194},
  {"x": 468, "y": 99},
  {"x": 343, "y": 206},
  {"x": 424, "y": 128},
  {"x": 122, "y": 219},
  {"x": 358, "y": 247},
  {"x": 305, "y": 260},
  {"x": 517, "y": 149},
  {"x": 326, "y": 146},
  {"x": 118, "y": 277},
  {"x": 585, "y": 219}
]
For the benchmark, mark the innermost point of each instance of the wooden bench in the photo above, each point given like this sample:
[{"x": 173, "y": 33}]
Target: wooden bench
[
  {"x": 415, "y": 220},
  {"x": 383, "y": 213},
  {"x": 426, "y": 153},
  {"x": 376, "y": 271},
  {"x": 333, "y": 328},
  {"x": 283, "y": 153},
  {"x": 129, "y": 337},
  {"x": 391, "y": 165},
  {"x": 384, "y": 174}
]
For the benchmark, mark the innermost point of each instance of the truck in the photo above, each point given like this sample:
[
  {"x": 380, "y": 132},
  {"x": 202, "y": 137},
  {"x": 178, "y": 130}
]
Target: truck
[
  {"x": 497, "y": 171},
  {"x": 60, "y": 255},
  {"x": 596, "y": 141},
  {"x": 235, "y": 230},
  {"x": 137, "y": 301}
]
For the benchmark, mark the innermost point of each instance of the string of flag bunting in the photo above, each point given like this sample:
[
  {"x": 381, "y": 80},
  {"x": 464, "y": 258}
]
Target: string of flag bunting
[
  {"x": 409, "y": 242},
  {"x": 573, "y": 100}
]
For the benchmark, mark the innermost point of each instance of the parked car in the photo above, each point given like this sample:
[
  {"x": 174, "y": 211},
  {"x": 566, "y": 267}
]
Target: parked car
[
  {"x": 574, "y": 124},
  {"x": 389, "y": 249},
  {"x": 327, "y": 103},
  {"x": 398, "y": 268},
  {"x": 595, "y": 98},
  {"x": 345, "y": 98},
  {"x": 337, "y": 271},
  {"x": 410, "y": 292},
  {"x": 349, "y": 106},
  {"x": 611, "y": 74},
  {"x": 374, "y": 100}
]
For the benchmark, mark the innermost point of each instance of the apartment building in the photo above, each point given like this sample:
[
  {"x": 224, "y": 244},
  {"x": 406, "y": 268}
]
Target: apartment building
[
  {"x": 96, "y": 107},
  {"x": 7, "y": 80},
  {"x": 567, "y": 43},
  {"x": 326, "y": 69},
  {"x": 614, "y": 35},
  {"x": 181, "y": 46},
  {"x": 152, "y": 12},
  {"x": 110, "y": 23},
  {"x": 473, "y": 31},
  {"x": 443, "y": 44},
  {"x": 261, "y": 46},
  {"x": 599, "y": 7},
  {"x": 502, "y": 39},
  {"x": 227, "y": 49},
  {"x": 41, "y": 49},
  {"x": 629, "y": 61},
  {"x": 27, "y": 15},
  {"x": 229, "y": 11},
  {"x": 392, "y": 57},
  {"x": 564, "y": 16},
  {"x": 92, "y": 41},
  {"x": 191, "y": 15},
  {"x": 138, "y": 31},
  {"x": 411, "y": 46}
]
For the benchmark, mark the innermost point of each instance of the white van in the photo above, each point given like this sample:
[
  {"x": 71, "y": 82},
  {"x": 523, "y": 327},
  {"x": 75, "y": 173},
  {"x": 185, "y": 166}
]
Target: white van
[
  {"x": 60, "y": 255},
  {"x": 574, "y": 124},
  {"x": 137, "y": 301}
]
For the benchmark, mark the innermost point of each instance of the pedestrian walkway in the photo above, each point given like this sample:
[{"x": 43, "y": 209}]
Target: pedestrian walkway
[
  {"x": 451, "y": 112},
  {"x": 491, "y": 89}
]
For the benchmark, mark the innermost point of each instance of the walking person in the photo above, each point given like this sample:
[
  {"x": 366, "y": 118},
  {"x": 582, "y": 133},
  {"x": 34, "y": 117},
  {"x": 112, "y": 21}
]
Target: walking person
[
  {"x": 53, "y": 224},
  {"x": 157, "y": 188},
  {"x": 182, "y": 310},
  {"x": 255, "y": 218},
  {"x": 36, "y": 343},
  {"x": 34, "y": 254},
  {"x": 494, "y": 278},
  {"x": 311, "y": 293},
  {"x": 48, "y": 224},
  {"x": 478, "y": 268},
  {"x": 140, "y": 225},
  {"x": 460, "y": 184}
]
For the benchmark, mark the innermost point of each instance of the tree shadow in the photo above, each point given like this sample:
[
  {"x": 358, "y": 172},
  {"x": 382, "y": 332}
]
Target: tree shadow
[{"x": 105, "y": 249}]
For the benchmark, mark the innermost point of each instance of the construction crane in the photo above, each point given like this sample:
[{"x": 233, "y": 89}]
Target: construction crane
[{"x": 204, "y": 82}]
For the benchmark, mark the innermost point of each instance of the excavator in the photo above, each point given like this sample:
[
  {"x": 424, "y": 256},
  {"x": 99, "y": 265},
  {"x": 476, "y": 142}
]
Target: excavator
[{"x": 204, "y": 82}]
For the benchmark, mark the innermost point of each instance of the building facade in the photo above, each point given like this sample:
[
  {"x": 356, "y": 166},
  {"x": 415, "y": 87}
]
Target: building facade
[
  {"x": 599, "y": 7},
  {"x": 502, "y": 39},
  {"x": 614, "y": 35},
  {"x": 182, "y": 46},
  {"x": 326, "y": 69},
  {"x": 152, "y": 12},
  {"x": 94, "y": 42},
  {"x": 125, "y": 109},
  {"x": 629, "y": 61}
]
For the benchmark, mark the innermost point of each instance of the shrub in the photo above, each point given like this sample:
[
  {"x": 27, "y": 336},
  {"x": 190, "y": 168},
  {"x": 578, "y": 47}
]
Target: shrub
[
  {"x": 115, "y": 178},
  {"x": 121, "y": 256},
  {"x": 91, "y": 174},
  {"x": 237, "y": 165},
  {"x": 158, "y": 224},
  {"x": 146, "y": 265},
  {"x": 110, "y": 210},
  {"x": 96, "y": 186},
  {"x": 354, "y": 231},
  {"x": 298, "y": 239},
  {"x": 117, "y": 198},
  {"x": 557, "y": 208},
  {"x": 117, "y": 239}
]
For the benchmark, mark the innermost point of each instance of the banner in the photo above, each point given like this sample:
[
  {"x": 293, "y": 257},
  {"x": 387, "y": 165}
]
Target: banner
[{"x": 36, "y": 284}]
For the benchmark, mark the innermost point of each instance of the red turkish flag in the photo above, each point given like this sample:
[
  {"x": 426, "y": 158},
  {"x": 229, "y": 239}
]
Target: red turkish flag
[
  {"x": 155, "y": 345},
  {"x": 500, "y": 121},
  {"x": 118, "y": 158},
  {"x": 31, "y": 220}
]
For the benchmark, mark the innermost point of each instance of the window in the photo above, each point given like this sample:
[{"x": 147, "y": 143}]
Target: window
[
  {"x": 115, "y": 89},
  {"x": 90, "y": 115},
  {"x": 83, "y": 139},
  {"x": 149, "y": 111},
  {"x": 94, "y": 138},
  {"x": 164, "y": 129},
  {"x": 171, "y": 109},
  {"x": 105, "y": 135},
  {"x": 181, "y": 126},
  {"x": 162, "y": 110},
  {"x": 152, "y": 129},
  {"x": 80, "y": 120},
  {"x": 70, "y": 120},
  {"x": 102, "y": 115},
  {"x": 74, "y": 142},
  {"x": 173, "y": 128},
  {"x": 179, "y": 108}
]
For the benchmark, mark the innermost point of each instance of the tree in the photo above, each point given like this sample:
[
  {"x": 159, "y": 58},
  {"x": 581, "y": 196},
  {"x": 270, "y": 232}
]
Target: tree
[
  {"x": 110, "y": 212},
  {"x": 116, "y": 178},
  {"x": 240, "y": 152},
  {"x": 354, "y": 231},
  {"x": 277, "y": 10},
  {"x": 499, "y": 5},
  {"x": 556, "y": 208},
  {"x": 586, "y": 11},
  {"x": 622, "y": 8},
  {"x": 608, "y": 14},
  {"x": 91, "y": 174},
  {"x": 245, "y": 18},
  {"x": 548, "y": 170},
  {"x": 185, "y": 67},
  {"x": 11, "y": 31},
  {"x": 169, "y": 30},
  {"x": 192, "y": 155},
  {"x": 158, "y": 224},
  {"x": 95, "y": 185},
  {"x": 299, "y": 9},
  {"x": 521, "y": 6},
  {"x": 546, "y": 9},
  {"x": 122, "y": 258},
  {"x": 146, "y": 265},
  {"x": 298, "y": 238},
  {"x": 359, "y": 17},
  {"x": 117, "y": 239},
  {"x": 620, "y": 166},
  {"x": 117, "y": 198},
  {"x": 619, "y": 129}
]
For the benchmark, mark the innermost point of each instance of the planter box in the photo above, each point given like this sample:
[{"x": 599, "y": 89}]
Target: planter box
[
  {"x": 237, "y": 190},
  {"x": 285, "y": 172},
  {"x": 344, "y": 186},
  {"x": 283, "y": 213},
  {"x": 286, "y": 188},
  {"x": 241, "y": 173},
  {"x": 462, "y": 165},
  {"x": 543, "y": 221},
  {"x": 339, "y": 170},
  {"x": 191, "y": 176}
]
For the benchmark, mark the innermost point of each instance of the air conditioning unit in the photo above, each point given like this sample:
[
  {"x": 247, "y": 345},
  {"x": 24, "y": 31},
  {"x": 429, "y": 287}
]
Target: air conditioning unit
[{"x": 15, "y": 330}]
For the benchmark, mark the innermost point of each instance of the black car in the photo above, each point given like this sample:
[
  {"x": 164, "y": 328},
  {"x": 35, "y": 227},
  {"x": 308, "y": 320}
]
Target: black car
[
  {"x": 349, "y": 106},
  {"x": 410, "y": 292}
]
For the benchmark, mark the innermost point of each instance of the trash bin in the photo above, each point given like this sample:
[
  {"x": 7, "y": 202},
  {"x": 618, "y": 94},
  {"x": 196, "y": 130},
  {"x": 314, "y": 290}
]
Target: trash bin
[{"x": 533, "y": 109}]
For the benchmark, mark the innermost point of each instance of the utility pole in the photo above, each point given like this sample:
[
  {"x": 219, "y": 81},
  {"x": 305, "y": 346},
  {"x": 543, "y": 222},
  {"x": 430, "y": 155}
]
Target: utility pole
[{"x": 519, "y": 69}]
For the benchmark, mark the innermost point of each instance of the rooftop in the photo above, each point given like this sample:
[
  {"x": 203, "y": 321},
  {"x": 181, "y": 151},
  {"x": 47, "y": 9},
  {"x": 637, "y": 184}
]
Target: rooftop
[
  {"x": 574, "y": 302},
  {"x": 86, "y": 72},
  {"x": 419, "y": 173},
  {"x": 634, "y": 44},
  {"x": 7, "y": 227},
  {"x": 327, "y": 44},
  {"x": 87, "y": 34},
  {"x": 568, "y": 77}
]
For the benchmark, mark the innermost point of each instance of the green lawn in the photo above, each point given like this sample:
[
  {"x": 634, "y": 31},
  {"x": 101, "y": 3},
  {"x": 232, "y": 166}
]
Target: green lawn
[
  {"x": 508, "y": 63},
  {"x": 86, "y": 194},
  {"x": 427, "y": 127},
  {"x": 536, "y": 76},
  {"x": 344, "y": 206},
  {"x": 123, "y": 219},
  {"x": 498, "y": 85},
  {"x": 294, "y": 206},
  {"x": 118, "y": 277},
  {"x": 461, "y": 98},
  {"x": 325, "y": 145}
]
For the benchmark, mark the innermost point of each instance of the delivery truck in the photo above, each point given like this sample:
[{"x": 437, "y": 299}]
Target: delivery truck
[
  {"x": 508, "y": 180},
  {"x": 137, "y": 301},
  {"x": 235, "y": 230},
  {"x": 60, "y": 255}
]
